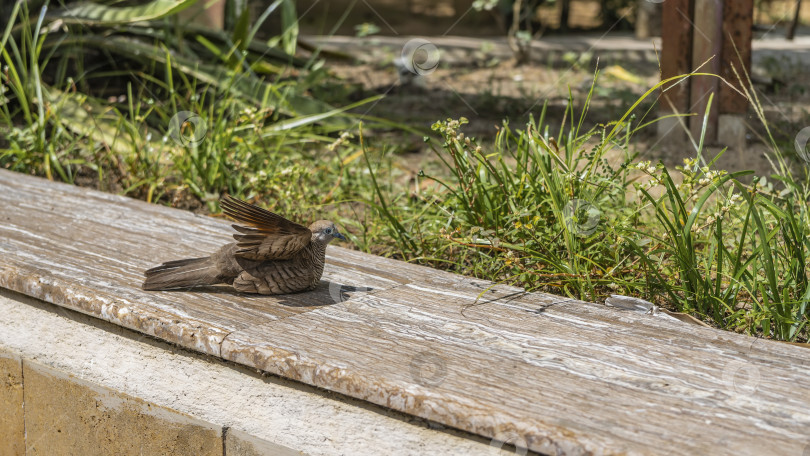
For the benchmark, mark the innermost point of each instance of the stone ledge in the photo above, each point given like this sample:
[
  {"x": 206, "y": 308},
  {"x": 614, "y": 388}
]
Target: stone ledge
[{"x": 104, "y": 378}]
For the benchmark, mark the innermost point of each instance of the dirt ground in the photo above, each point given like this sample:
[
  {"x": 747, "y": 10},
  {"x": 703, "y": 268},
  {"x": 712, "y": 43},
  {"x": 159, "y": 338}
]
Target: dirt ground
[
  {"x": 459, "y": 17},
  {"x": 478, "y": 79},
  {"x": 484, "y": 85}
]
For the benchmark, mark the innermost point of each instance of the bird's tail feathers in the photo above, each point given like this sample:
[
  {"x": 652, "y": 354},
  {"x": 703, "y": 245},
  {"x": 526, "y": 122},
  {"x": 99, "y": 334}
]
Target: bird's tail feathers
[{"x": 186, "y": 273}]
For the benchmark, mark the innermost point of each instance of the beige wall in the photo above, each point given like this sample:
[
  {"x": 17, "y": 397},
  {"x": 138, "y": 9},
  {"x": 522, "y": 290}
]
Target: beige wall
[
  {"x": 12, "y": 428},
  {"x": 54, "y": 413}
]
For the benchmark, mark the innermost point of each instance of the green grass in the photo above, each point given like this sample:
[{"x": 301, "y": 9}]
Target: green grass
[
  {"x": 141, "y": 110},
  {"x": 550, "y": 206},
  {"x": 553, "y": 213}
]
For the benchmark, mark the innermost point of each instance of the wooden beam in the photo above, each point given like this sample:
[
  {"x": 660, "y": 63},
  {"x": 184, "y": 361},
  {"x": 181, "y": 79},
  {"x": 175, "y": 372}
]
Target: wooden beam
[
  {"x": 738, "y": 22},
  {"x": 706, "y": 53},
  {"x": 676, "y": 53}
]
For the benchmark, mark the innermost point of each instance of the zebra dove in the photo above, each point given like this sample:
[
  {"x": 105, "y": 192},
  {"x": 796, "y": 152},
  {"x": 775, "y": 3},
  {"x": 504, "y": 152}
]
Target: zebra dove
[{"x": 271, "y": 255}]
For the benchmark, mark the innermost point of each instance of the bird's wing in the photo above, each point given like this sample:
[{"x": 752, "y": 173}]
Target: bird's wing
[{"x": 267, "y": 236}]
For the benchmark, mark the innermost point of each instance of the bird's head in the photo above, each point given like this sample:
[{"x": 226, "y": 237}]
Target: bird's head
[{"x": 324, "y": 231}]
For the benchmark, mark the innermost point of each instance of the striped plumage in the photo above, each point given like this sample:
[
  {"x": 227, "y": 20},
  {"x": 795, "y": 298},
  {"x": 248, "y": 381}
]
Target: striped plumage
[{"x": 272, "y": 255}]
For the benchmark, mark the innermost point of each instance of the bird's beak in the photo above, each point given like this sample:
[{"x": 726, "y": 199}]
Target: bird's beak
[{"x": 339, "y": 236}]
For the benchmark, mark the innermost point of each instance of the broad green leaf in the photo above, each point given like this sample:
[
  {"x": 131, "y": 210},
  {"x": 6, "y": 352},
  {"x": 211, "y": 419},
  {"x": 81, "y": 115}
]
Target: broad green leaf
[
  {"x": 87, "y": 117},
  {"x": 282, "y": 99},
  {"x": 289, "y": 22},
  {"x": 241, "y": 30},
  {"x": 103, "y": 15},
  {"x": 306, "y": 120}
]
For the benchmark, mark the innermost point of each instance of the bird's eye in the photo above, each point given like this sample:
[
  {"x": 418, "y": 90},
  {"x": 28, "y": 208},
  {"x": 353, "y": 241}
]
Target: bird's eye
[{"x": 328, "y": 231}]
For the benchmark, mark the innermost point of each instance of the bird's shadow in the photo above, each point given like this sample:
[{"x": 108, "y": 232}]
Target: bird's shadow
[{"x": 325, "y": 294}]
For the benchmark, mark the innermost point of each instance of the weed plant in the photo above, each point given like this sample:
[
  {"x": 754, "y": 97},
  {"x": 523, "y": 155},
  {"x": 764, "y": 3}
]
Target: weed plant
[
  {"x": 135, "y": 100},
  {"x": 555, "y": 213}
]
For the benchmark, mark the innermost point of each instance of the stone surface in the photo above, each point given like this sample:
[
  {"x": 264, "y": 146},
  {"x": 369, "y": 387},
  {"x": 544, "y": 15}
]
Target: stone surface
[
  {"x": 12, "y": 426},
  {"x": 238, "y": 443},
  {"x": 672, "y": 131},
  {"x": 611, "y": 48},
  {"x": 65, "y": 415},
  {"x": 731, "y": 131},
  {"x": 286, "y": 413}
]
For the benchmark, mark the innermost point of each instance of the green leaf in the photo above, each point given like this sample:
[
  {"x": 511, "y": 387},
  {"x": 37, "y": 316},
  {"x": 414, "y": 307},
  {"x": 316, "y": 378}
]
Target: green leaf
[
  {"x": 87, "y": 117},
  {"x": 282, "y": 99},
  {"x": 298, "y": 122},
  {"x": 289, "y": 23},
  {"x": 242, "y": 29},
  {"x": 103, "y": 15}
]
